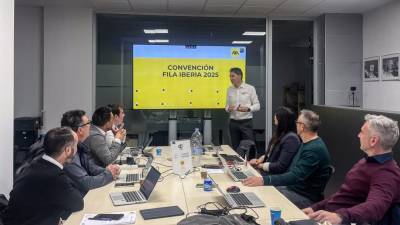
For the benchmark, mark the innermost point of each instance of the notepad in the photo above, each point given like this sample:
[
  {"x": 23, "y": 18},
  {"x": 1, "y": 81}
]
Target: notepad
[{"x": 129, "y": 218}]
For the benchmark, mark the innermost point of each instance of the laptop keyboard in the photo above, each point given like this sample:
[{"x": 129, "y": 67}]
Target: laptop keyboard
[
  {"x": 240, "y": 199},
  {"x": 239, "y": 175},
  {"x": 132, "y": 177},
  {"x": 131, "y": 196}
]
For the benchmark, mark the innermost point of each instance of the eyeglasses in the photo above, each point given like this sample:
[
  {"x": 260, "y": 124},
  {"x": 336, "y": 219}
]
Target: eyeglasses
[
  {"x": 82, "y": 125},
  {"x": 299, "y": 122}
]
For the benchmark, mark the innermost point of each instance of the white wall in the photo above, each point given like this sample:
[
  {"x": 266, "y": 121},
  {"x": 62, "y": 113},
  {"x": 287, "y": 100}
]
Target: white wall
[
  {"x": 28, "y": 61},
  {"x": 68, "y": 62},
  {"x": 343, "y": 54},
  {"x": 7, "y": 95},
  {"x": 381, "y": 37}
]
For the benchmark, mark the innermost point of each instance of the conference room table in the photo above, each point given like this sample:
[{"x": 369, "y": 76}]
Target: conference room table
[{"x": 173, "y": 190}]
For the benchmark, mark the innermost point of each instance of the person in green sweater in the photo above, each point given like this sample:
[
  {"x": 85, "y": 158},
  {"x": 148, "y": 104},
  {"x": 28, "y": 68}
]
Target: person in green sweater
[{"x": 304, "y": 182}]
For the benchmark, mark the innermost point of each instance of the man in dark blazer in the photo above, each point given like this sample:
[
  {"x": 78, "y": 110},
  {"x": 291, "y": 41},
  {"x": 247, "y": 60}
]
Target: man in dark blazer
[
  {"x": 43, "y": 194},
  {"x": 82, "y": 169},
  {"x": 102, "y": 121}
]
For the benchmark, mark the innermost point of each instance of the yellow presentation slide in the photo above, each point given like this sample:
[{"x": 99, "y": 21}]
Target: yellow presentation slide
[{"x": 183, "y": 77}]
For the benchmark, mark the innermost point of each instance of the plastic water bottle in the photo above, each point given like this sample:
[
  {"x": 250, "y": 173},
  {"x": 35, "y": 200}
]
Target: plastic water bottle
[{"x": 196, "y": 145}]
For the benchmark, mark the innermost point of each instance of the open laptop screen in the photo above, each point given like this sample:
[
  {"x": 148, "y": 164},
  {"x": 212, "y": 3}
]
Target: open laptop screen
[
  {"x": 147, "y": 167},
  {"x": 147, "y": 143},
  {"x": 150, "y": 182}
]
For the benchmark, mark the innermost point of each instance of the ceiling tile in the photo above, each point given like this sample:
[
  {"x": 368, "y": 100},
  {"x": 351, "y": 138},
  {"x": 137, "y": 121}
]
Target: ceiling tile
[
  {"x": 107, "y": 5},
  {"x": 292, "y": 11},
  {"x": 254, "y": 10},
  {"x": 222, "y": 9},
  {"x": 224, "y": 2},
  {"x": 72, "y": 3},
  {"x": 305, "y": 4},
  {"x": 147, "y": 6},
  {"x": 193, "y": 3},
  {"x": 185, "y": 6},
  {"x": 184, "y": 10},
  {"x": 30, "y": 2},
  {"x": 263, "y": 3},
  {"x": 346, "y": 6},
  {"x": 226, "y": 7}
]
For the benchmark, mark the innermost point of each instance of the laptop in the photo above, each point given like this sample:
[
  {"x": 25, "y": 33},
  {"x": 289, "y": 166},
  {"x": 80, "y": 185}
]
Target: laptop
[
  {"x": 241, "y": 199},
  {"x": 234, "y": 158},
  {"x": 141, "y": 196},
  {"x": 135, "y": 151},
  {"x": 212, "y": 147},
  {"x": 236, "y": 175},
  {"x": 129, "y": 179}
]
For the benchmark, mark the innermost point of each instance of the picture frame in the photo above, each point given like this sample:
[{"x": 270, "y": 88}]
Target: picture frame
[
  {"x": 371, "y": 67},
  {"x": 390, "y": 67}
]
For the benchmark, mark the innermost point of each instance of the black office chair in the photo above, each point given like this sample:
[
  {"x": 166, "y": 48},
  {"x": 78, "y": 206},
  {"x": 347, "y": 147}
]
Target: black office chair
[
  {"x": 392, "y": 216},
  {"x": 246, "y": 147},
  {"x": 36, "y": 151},
  {"x": 3, "y": 205},
  {"x": 331, "y": 170}
]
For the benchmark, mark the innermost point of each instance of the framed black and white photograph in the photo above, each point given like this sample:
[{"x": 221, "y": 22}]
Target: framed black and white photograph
[
  {"x": 371, "y": 69},
  {"x": 390, "y": 67}
]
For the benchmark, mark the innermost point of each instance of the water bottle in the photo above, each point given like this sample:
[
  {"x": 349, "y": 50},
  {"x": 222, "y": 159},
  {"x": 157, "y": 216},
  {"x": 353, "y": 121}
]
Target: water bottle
[{"x": 196, "y": 145}]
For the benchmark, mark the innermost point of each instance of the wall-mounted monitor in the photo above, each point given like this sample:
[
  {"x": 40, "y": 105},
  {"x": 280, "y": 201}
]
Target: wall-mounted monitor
[{"x": 183, "y": 76}]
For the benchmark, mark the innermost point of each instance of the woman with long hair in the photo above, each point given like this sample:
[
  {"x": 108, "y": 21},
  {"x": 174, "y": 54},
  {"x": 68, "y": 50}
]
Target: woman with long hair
[{"x": 283, "y": 145}]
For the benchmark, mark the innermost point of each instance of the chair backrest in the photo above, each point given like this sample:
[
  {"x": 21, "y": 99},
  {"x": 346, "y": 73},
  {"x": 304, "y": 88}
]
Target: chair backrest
[
  {"x": 35, "y": 152},
  {"x": 244, "y": 148},
  {"x": 392, "y": 216},
  {"x": 3, "y": 205},
  {"x": 331, "y": 170}
]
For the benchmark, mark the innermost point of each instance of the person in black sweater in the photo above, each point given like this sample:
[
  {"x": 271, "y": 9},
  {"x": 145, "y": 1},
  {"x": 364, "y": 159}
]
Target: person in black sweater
[
  {"x": 282, "y": 146},
  {"x": 43, "y": 194}
]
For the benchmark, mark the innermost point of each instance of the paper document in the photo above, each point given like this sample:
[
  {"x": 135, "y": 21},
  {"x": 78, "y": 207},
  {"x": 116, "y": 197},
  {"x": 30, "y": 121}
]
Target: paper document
[
  {"x": 215, "y": 171},
  {"x": 129, "y": 218}
]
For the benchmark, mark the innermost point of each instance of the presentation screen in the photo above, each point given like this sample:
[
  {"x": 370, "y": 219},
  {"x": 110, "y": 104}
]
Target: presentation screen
[{"x": 183, "y": 77}]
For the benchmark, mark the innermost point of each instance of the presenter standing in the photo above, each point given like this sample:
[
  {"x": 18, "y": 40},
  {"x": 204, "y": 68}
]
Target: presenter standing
[{"x": 241, "y": 102}]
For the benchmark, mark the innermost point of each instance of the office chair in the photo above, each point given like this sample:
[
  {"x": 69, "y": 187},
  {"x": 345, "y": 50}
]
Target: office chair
[
  {"x": 3, "y": 205},
  {"x": 246, "y": 148},
  {"x": 331, "y": 170},
  {"x": 391, "y": 217}
]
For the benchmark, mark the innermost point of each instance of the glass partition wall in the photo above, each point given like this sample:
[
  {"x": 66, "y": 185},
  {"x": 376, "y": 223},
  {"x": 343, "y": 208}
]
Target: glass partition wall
[{"x": 116, "y": 35}]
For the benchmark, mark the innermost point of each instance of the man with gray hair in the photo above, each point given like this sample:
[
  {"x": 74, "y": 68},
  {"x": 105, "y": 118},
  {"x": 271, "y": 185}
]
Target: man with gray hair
[
  {"x": 372, "y": 186},
  {"x": 305, "y": 181}
]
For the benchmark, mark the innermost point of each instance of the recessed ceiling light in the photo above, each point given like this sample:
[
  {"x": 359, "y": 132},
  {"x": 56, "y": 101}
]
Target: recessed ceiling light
[
  {"x": 155, "y": 31},
  {"x": 254, "y": 33},
  {"x": 242, "y": 42},
  {"x": 159, "y": 41}
]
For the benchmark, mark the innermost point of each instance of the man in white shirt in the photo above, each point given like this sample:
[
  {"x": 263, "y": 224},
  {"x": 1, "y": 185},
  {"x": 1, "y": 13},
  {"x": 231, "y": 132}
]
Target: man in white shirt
[
  {"x": 102, "y": 121},
  {"x": 241, "y": 102},
  {"x": 119, "y": 116}
]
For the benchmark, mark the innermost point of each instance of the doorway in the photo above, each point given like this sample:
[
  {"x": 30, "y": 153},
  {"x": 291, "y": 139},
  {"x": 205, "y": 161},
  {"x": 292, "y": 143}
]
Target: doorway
[{"x": 292, "y": 64}]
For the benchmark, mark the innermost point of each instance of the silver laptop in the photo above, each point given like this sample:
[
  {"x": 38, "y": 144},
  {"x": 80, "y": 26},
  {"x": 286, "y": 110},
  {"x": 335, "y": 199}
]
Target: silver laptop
[
  {"x": 237, "y": 175},
  {"x": 141, "y": 196},
  {"x": 241, "y": 199},
  {"x": 132, "y": 178}
]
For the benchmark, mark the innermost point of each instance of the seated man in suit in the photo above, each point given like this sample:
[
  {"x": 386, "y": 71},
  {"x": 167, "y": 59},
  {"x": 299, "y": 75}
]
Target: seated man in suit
[
  {"x": 43, "y": 194},
  {"x": 372, "y": 185},
  {"x": 102, "y": 121},
  {"x": 82, "y": 169},
  {"x": 305, "y": 180}
]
